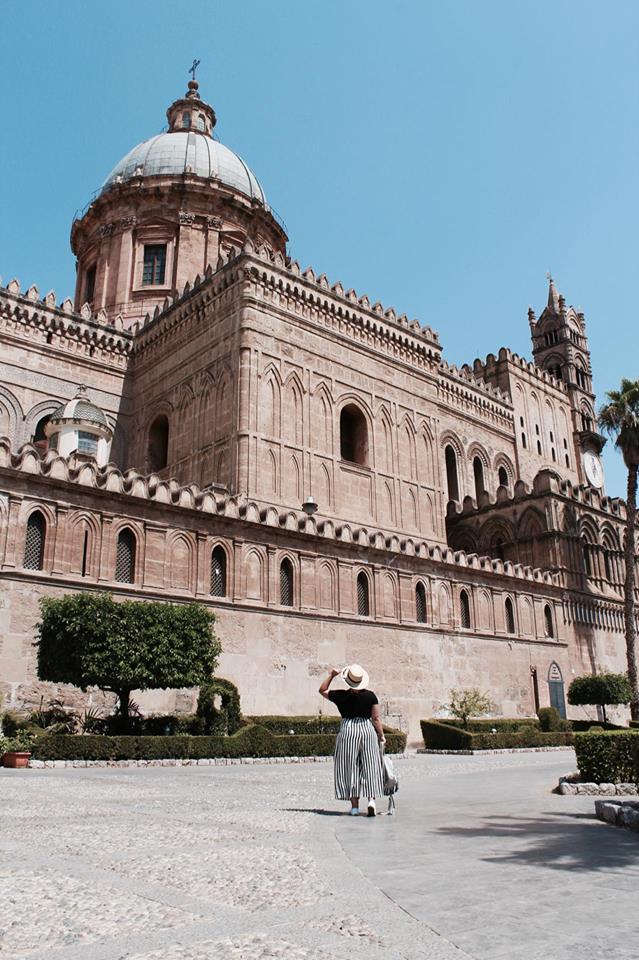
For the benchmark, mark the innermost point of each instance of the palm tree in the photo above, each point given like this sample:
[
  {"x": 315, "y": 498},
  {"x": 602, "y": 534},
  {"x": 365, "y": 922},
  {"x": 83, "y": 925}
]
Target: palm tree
[{"x": 620, "y": 419}]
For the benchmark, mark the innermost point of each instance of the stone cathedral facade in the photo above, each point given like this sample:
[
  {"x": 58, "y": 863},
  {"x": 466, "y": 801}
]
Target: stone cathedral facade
[{"x": 206, "y": 420}]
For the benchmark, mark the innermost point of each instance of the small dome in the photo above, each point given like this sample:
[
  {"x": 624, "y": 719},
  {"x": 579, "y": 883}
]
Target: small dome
[
  {"x": 80, "y": 408},
  {"x": 176, "y": 153}
]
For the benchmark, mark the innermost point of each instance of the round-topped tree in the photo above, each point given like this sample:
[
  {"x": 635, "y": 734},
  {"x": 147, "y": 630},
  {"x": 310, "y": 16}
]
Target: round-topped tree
[{"x": 165, "y": 212}]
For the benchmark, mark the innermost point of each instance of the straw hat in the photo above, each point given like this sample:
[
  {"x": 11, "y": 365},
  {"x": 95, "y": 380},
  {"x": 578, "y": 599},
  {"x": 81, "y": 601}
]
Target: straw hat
[{"x": 355, "y": 676}]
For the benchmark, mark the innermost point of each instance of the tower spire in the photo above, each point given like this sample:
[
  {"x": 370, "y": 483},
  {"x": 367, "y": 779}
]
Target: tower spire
[{"x": 553, "y": 296}]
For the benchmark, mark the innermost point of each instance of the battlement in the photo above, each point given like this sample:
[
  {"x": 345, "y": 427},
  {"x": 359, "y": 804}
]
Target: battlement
[
  {"x": 304, "y": 290},
  {"x": 488, "y": 368},
  {"x": 48, "y": 319},
  {"x": 546, "y": 481},
  {"x": 217, "y": 502}
]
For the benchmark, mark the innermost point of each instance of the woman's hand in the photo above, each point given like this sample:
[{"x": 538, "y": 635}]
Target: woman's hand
[
  {"x": 326, "y": 683},
  {"x": 382, "y": 741},
  {"x": 334, "y": 672}
]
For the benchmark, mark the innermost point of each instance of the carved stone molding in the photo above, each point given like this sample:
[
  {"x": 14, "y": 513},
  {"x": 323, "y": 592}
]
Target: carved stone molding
[
  {"x": 187, "y": 219},
  {"x": 214, "y": 223}
]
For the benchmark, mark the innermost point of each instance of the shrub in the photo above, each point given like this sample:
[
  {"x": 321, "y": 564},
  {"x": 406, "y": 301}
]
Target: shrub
[
  {"x": 635, "y": 760},
  {"x": 600, "y": 689},
  {"x": 469, "y": 703},
  {"x": 549, "y": 719},
  {"x": 226, "y": 719},
  {"x": 606, "y": 757},
  {"x": 252, "y": 740},
  {"x": 281, "y": 725},
  {"x": 444, "y": 736},
  {"x": 501, "y": 724}
]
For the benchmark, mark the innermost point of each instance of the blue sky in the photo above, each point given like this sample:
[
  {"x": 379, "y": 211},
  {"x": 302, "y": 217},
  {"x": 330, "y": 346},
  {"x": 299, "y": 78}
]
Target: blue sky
[{"x": 440, "y": 157}]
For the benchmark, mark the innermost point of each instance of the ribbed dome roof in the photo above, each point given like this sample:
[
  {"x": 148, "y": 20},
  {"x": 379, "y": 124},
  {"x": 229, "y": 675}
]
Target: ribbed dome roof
[
  {"x": 80, "y": 409},
  {"x": 176, "y": 153}
]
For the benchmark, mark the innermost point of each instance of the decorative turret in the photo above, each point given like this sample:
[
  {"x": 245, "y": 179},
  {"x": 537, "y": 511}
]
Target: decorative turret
[{"x": 80, "y": 427}]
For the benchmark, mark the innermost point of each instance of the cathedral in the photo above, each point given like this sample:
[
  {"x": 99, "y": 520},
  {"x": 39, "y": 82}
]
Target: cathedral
[{"x": 207, "y": 421}]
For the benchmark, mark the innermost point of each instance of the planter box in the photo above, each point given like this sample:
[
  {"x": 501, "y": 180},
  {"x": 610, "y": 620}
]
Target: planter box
[{"x": 16, "y": 759}]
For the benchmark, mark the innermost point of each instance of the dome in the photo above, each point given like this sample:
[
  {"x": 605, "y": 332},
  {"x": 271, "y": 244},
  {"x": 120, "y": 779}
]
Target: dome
[
  {"x": 178, "y": 152},
  {"x": 80, "y": 409}
]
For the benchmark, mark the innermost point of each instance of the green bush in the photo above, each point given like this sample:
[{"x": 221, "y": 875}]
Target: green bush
[
  {"x": 226, "y": 719},
  {"x": 635, "y": 761},
  {"x": 634, "y": 723},
  {"x": 444, "y": 736},
  {"x": 549, "y": 719},
  {"x": 606, "y": 757},
  {"x": 281, "y": 726},
  {"x": 582, "y": 726},
  {"x": 253, "y": 740},
  {"x": 501, "y": 724}
]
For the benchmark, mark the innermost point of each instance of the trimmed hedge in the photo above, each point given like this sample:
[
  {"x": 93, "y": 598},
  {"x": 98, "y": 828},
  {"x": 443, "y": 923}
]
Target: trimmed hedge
[
  {"x": 606, "y": 757},
  {"x": 501, "y": 724},
  {"x": 281, "y": 726},
  {"x": 445, "y": 736},
  {"x": 253, "y": 740}
]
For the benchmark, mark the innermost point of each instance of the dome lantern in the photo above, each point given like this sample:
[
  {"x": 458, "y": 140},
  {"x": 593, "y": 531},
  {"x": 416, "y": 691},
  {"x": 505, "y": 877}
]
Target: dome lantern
[{"x": 191, "y": 113}]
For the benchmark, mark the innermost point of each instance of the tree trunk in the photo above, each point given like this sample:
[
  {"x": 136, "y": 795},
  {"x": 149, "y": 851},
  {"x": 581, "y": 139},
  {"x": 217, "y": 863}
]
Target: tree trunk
[
  {"x": 123, "y": 708},
  {"x": 629, "y": 589}
]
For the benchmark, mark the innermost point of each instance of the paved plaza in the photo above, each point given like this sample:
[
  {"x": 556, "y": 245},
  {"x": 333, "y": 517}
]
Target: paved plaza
[{"x": 258, "y": 861}]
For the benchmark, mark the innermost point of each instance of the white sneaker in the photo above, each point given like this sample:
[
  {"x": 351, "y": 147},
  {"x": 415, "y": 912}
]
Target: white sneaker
[{"x": 372, "y": 809}]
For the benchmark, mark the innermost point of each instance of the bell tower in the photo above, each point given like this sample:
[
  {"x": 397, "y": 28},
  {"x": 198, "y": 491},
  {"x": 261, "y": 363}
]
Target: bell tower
[{"x": 560, "y": 346}]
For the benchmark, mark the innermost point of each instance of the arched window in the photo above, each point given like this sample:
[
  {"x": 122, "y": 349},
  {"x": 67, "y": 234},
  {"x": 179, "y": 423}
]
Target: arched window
[
  {"x": 363, "y": 597},
  {"x": 550, "y": 629},
  {"x": 34, "y": 541},
  {"x": 451, "y": 473},
  {"x": 587, "y": 557},
  {"x": 286, "y": 583},
  {"x": 201, "y": 122},
  {"x": 478, "y": 472},
  {"x": 498, "y": 549},
  {"x": 125, "y": 557},
  {"x": 39, "y": 437},
  {"x": 186, "y": 120},
  {"x": 502, "y": 475},
  {"x": 464, "y": 610},
  {"x": 510, "y": 616},
  {"x": 218, "y": 572},
  {"x": 158, "y": 443},
  {"x": 420, "y": 603},
  {"x": 353, "y": 433}
]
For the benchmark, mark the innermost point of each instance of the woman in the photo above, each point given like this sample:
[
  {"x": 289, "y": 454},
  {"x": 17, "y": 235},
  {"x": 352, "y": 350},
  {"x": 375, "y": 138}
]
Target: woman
[{"x": 358, "y": 767}]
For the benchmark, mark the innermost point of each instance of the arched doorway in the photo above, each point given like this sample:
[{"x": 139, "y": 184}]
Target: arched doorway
[{"x": 556, "y": 689}]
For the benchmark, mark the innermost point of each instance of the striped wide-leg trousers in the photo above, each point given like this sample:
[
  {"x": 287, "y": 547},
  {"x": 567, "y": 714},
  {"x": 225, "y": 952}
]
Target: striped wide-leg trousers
[{"x": 358, "y": 764}]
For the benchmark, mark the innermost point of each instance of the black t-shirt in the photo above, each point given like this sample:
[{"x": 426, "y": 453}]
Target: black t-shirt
[{"x": 353, "y": 703}]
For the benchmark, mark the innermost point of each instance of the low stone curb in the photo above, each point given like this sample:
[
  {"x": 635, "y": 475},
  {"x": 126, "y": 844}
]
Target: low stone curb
[
  {"x": 621, "y": 813},
  {"x": 478, "y": 753},
  {"x": 571, "y": 788},
  {"x": 212, "y": 762}
]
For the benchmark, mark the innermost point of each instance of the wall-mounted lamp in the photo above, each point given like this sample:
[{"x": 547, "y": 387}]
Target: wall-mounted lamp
[{"x": 309, "y": 507}]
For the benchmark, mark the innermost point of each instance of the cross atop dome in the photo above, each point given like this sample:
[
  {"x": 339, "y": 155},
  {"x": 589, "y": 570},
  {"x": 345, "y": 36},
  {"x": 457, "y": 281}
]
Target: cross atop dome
[{"x": 186, "y": 115}]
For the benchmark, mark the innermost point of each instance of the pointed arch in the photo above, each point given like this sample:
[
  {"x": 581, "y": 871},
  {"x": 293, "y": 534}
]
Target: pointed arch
[
  {"x": 327, "y": 582},
  {"x": 363, "y": 594},
  {"x": 270, "y": 473},
  {"x": 465, "y": 620},
  {"x": 293, "y": 411},
  {"x": 421, "y": 607},
  {"x": 388, "y": 503},
  {"x": 384, "y": 443},
  {"x": 293, "y": 479},
  {"x": 254, "y": 574},
  {"x": 509, "y": 615},
  {"x": 84, "y": 544},
  {"x": 180, "y": 555},
  {"x": 407, "y": 454},
  {"x": 322, "y": 419},
  {"x": 323, "y": 484},
  {"x": 425, "y": 458},
  {"x": 412, "y": 514},
  {"x": 125, "y": 556},
  {"x": 270, "y": 404},
  {"x": 34, "y": 541},
  {"x": 390, "y": 596},
  {"x": 218, "y": 581}
]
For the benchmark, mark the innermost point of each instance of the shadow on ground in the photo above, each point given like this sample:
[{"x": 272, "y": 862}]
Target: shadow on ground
[{"x": 565, "y": 841}]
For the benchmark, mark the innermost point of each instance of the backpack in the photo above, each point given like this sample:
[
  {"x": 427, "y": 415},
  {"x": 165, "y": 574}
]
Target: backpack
[{"x": 391, "y": 781}]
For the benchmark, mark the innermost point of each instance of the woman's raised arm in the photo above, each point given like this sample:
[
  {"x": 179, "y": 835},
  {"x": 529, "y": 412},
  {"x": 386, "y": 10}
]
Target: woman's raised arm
[{"x": 327, "y": 682}]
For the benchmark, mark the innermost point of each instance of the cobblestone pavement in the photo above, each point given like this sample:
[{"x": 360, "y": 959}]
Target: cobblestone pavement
[{"x": 232, "y": 863}]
